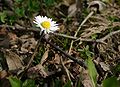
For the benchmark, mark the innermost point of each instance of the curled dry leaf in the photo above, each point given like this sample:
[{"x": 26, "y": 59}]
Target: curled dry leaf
[
  {"x": 104, "y": 66},
  {"x": 28, "y": 43},
  {"x": 3, "y": 74},
  {"x": 68, "y": 2},
  {"x": 91, "y": 31},
  {"x": 44, "y": 57},
  {"x": 13, "y": 38},
  {"x": 5, "y": 43},
  {"x": 56, "y": 60},
  {"x": 4, "y": 39},
  {"x": 3, "y": 31},
  {"x": 86, "y": 79},
  {"x": 37, "y": 71},
  {"x": 100, "y": 6},
  {"x": 13, "y": 60},
  {"x": 72, "y": 10}
]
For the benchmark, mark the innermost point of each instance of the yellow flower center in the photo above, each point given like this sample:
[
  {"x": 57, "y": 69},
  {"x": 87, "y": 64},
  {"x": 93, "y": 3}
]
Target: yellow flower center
[{"x": 46, "y": 24}]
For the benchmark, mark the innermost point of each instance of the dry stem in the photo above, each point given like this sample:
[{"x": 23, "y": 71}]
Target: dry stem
[{"x": 89, "y": 15}]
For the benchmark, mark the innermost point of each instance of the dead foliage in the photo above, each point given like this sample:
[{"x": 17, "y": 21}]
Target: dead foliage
[{"x": 17, "y": 47}]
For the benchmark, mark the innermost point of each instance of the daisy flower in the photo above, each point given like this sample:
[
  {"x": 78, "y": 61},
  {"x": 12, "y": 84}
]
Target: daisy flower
[{"x": 46, "y": 24}]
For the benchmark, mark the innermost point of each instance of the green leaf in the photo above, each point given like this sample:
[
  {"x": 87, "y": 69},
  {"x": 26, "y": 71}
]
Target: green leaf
[
  {"x": 68, "y": 84},
  {"x": 57, "y": 83},
  {"x": 29, "y": 83},
  {"x": 94, "y": 36},
  {"x": 117, "y": 68},
  {"x": 18, "y": 1},
  {"x": 14, "y": 81},
  {"x": 92, "y": 71},
  {"x": 12, "y": 19},
  {"x": 20, "y": 12},
  {"x": 111, "y": 82},
  {"x": 113, "y": 18},
  {"x": 85, "y": 53},
  {"x": 33, "y": 5},
  {"x": 49, "y": 2},
  {"x": 79, "y": 82},
  {"x": 2, "y": 17}
]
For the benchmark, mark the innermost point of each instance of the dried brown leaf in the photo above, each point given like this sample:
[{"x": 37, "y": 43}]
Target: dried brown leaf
[
  {"x": 68, "y": 2},
  {"x": 37, "y": 71},
  {"x": 44, "y": 57},
  {"x": 56, "y": 59},
  {"x": 3, "y": 31},
  {"x": 86, "y": 79},
  {"x": 12, "y": 36},
  {"x": 28, "y": 43},
  {"x": 3, "y": 74},
  {"x": 100, "y": 27},
  {"x": 5, "y": 43},
  {"x": 13, "y": 60},
  {"x": 72, "y": 10},
  {"x": 104, "y": 66}
]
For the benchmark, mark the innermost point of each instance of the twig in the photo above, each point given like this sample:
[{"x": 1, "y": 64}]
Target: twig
[
  {"x": 89, "y": 15},
  {"x": 63, "y": 35},
  {"x": 66, "y": 70},
  {"x": 109, "y": 35},
  {"x": 90, "y": 40},
  {"x": 101, "y": 40},
  {"x": 35, "y": 30},
  {"x": 36, "y": 48},
  {"x": 21, "y": 28},
  {"x": 81, "y": 63}
]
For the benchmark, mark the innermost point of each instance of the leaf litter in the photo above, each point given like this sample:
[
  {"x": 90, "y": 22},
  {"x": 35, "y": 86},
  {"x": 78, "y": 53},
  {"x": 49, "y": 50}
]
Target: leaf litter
[{"x": 20, "y": 46}]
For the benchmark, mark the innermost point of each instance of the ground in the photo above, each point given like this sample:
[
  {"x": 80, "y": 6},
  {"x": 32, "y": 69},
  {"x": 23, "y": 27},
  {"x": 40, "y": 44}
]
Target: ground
[{"x": 83, "y": 52}]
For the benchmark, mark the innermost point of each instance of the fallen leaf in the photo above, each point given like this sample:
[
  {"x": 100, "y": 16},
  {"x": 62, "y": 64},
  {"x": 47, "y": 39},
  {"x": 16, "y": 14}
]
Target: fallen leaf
[
  {"x": 3, "y": 31},
  {"x": 56, "y": 59},
  {"x": 69, "y": 2},
  {"x": 13, "y": 60},
  {"x": 86, "y": 79},
  {"x": 44, "y": 57},
  {"x": 3, "y": 74},
  {"x": 37, "y": 71},
  {"x": 12, "y": 36},
  {"x": 72, "y": 10},
  {"x": 28, "y": 43},
  {"x": 5, "y": 43},
  {"x": 4, "y": 39},
  {"x": 104, "y": 66}
]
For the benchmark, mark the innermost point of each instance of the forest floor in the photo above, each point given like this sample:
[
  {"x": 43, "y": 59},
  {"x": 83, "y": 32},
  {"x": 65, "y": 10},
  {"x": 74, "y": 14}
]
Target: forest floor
[{"x": 83, "y": 52}]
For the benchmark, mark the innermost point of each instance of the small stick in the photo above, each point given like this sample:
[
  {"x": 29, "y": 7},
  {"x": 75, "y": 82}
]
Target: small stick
[
  {"x": 21, "y": 28},
  {"x": 81, "y": 63},
  {"x": 36, "y": 48},
  {"x": 63, "y": 35},
  {"x": 101, "y": 40},
  {"x": 109, "y": 35},
  {"x": 89, "y": 15},
  {"x": 66, "y": 70},
  {"x": 90, "y": 40},
  {"x": 66, "y": 36}
]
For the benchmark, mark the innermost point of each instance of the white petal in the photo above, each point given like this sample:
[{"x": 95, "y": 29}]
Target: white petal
[{"x": 53, "y": 26}]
